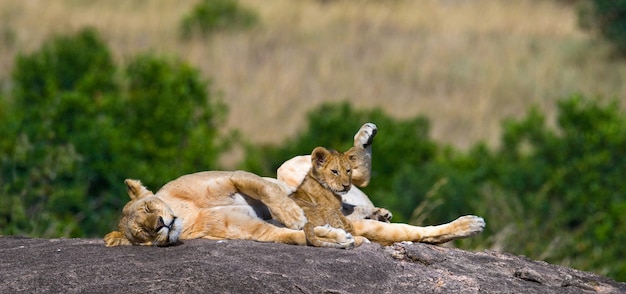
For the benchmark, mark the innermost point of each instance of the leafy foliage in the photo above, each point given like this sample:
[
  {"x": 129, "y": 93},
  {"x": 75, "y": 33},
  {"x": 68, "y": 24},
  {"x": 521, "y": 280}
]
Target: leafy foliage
[
  {"x": 76, "y": 125},
  {"x": 608, "y": 18},
  {"x": 571, "y": 181},
  {"x": 209, "y": 16},
  {"x": 553, "y": 194},
  {"x": 398, "y": 144},
  {"x": 74, "y": 130}
]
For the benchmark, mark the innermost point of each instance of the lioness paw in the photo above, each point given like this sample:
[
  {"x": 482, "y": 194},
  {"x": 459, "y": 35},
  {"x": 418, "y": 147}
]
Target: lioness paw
[
  {"x": 290, "y": 214},
  {"x": 115, "y": 238},
  {"x": 383, "y": 215},
  {"x": 365, "y": 136},
  {"x": 468, "y": 225}
]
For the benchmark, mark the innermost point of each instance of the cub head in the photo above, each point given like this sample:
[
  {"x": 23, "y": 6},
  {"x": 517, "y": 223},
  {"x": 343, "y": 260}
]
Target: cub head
[
  {"x": 146, "y": 220},
  {"x": 333, "y": 169}
]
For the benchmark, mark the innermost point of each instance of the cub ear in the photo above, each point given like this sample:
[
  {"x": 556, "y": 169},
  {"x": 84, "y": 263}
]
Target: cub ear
[
  {"x": 115, "y": 238},
  {"x": 136, "y": 190},
  {"x": 319, "y": 156}
]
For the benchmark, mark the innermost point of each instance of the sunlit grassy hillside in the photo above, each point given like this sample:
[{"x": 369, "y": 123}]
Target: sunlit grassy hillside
[{"x": 466, "y": 65}]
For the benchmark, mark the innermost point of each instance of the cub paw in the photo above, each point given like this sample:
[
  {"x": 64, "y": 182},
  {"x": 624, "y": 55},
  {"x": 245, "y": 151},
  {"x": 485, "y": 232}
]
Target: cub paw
[
  {"x": 468, "y": 225},
  {"x": 334, "y": 238},
  {"x": 365, "y": 136}
]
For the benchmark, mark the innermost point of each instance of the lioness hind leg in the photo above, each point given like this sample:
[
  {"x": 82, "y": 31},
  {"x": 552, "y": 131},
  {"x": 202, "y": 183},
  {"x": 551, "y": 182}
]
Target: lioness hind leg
[
  {"x": 361, "y": 154},
  {"x": 462, "y": 227},
  {"x": 385, "y": 233},
  {"x": 365, "y": 136}
]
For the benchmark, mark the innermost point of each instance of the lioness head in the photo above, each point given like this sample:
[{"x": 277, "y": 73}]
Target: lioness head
[
  {"x": 333, "y": 169},
  {"x": 146, "y": 220}
]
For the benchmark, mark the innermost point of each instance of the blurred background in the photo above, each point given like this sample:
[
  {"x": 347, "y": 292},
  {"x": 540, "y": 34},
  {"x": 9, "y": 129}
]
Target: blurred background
[{"x": 512, "y": 110}]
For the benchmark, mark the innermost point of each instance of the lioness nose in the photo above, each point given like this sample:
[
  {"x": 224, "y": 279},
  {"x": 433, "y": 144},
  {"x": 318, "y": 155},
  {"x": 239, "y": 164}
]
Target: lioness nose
[{"x": 160, "y": 223}]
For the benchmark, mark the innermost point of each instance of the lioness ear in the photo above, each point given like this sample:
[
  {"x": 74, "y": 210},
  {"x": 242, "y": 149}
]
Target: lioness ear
[
  {"x": 135, "y": 189},
  {"x": 115, "y": 238},
  {"x": 319, "y": 156},
  {"x": 354, "y": 156},
  {"x": 361, "y": 168}
]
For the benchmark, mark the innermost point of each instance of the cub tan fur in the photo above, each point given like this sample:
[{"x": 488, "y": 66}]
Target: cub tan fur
[{"x": 319, "y": 195}]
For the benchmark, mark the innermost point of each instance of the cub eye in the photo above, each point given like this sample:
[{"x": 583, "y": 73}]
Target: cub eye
[
  {"x": 349, "y": 171},
  {"x": 335, "y": 172}
]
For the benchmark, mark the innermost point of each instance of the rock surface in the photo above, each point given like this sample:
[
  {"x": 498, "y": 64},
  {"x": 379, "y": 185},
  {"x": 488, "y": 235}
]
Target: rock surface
[{"x": 86, "y": 266}]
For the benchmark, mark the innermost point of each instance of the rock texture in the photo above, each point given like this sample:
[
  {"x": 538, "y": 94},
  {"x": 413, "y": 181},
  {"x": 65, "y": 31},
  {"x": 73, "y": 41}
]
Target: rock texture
[{"x": 86, "y": 266}]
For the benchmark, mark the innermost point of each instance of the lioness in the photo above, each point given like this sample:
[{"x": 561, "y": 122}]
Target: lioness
[{"x": 237, "y": 205}]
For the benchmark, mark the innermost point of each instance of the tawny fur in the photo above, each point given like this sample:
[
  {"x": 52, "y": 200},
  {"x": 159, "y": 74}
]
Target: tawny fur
[
  {"x": 233, "y": 205},
  {"x": 319, "y": 195}
]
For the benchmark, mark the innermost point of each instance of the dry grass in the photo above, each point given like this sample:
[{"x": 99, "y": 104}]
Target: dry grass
[{"x": 464, "y": 64}]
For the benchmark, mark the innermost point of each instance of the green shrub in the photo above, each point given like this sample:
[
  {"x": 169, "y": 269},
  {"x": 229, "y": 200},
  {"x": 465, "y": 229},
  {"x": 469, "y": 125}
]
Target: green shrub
[
  {"x": 209, "y": 16},
  {"x": 551, "y": 194},
  {"x": 572, "y": 178},
  {"x": 607, "y": 18},
  {"x": 75, "y": 128},
  {"x": 399, "y": 144},
  {"x": 172, "y": 119},
  {"x": 66, "y": 63}
]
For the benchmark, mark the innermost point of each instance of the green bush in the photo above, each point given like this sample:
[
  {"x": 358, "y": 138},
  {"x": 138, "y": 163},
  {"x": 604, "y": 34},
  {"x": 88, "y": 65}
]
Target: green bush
[
  {"x": 209, "y": 16},
  {"x": 551, "y": 194},
  {"x": 399, "y": 144},
  {"x": 607, "y": 18},
  {"x": 75, "y": 127},
  {"x": 572, "y": 179}
]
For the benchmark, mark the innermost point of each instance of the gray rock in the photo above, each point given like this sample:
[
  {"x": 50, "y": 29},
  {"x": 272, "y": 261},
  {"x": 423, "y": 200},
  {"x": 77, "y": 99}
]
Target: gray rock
[{"x": 236, "y": 266}]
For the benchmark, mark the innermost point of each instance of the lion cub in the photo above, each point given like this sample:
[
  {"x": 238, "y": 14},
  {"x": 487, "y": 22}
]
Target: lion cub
[{"x": 319, "y": 195}]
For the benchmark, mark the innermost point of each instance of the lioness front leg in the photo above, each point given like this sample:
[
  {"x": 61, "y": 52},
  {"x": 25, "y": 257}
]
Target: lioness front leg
[
  {"x": 273, "y": 195},
  {"x": 385, "y": 233}
]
